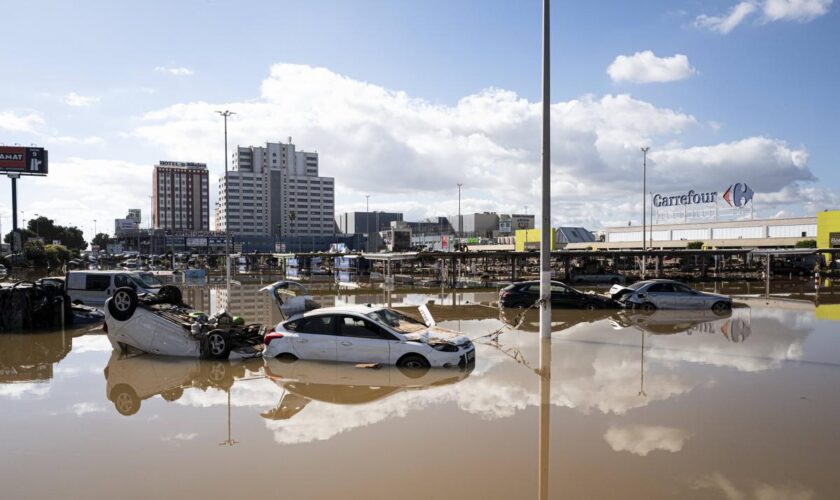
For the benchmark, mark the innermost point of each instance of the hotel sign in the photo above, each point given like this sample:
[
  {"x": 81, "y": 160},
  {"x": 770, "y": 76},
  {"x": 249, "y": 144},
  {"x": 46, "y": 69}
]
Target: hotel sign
[{"x": 23, "y": 161}]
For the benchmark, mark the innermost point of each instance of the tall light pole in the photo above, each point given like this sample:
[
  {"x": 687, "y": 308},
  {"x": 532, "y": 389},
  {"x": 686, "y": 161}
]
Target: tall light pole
[
  {"x": 37, "y": 226},
  {"x": 545, "y": 241},
  {"x": 367, "y": 223},
  {"x": 645, "y": 150},
  {"x": 460, "y": 221},
  {"x": 225, "y": 114}
]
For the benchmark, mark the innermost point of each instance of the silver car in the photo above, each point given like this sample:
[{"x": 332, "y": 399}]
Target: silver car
[{"x": 668, "y": 294}]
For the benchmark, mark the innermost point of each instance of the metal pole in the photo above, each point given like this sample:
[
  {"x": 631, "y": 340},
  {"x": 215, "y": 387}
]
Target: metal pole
[
  {"x": 367, "y": 223},
  {"x": 14, "y": 214},
  {"x": 644, "y": 202},
  {"x": 545, "y": 243},
  {"x": 460, "y": 221},
  {"x": 225, "y": 114}
]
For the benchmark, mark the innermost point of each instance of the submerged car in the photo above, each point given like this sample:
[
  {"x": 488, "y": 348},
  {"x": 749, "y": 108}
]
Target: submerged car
[
  {"x": 162, "y": 324},
  {"x": 668, "y": 294},
  {"x": 368, "y": 334},
  {"x": 525, "y": 294}
]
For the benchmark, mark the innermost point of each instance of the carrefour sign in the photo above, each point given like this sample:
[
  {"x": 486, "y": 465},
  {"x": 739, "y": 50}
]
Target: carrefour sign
[{"x": 737, "y": 195}]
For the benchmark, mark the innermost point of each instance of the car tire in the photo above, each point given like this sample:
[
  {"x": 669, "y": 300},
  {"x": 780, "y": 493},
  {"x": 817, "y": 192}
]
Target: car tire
[
  {"x": 173, "y": 394},
  {"x": 720, "y": 307},
  {"x": 413, "y": 365},
  {"x": 123, "y": 303},
  {"x": 647, "y": 307},
  {"x": 520, "y": 306},
  {"x": 591, "y": 306},
  {"x": 286, "y": 357},
  {"x": 218, "y": 344},
  {"x": 125, "y": 400},
  {"x": 169, "y": 294},
  {"x": 217, "y": 372}
]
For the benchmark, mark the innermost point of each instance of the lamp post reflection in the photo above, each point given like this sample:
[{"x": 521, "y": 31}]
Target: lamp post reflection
[{"x": 545, "y": 415}]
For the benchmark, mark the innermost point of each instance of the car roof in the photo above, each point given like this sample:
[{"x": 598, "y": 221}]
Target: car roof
[
  {"x": 350, "y": 309},
  {"x": 536, "y": 282}
]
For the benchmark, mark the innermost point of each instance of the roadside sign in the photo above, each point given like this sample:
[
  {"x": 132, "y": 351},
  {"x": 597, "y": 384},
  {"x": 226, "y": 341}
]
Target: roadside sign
[{"x": 23, "y": 161}]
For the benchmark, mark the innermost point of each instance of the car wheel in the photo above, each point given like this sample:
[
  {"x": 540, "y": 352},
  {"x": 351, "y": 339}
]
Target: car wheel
[
  {"x": 123, "y": 304},
  {"x": 520, "y": 306},
  {"x": 720, "y": 307},
  {"x": 647, "y": 307},
  {"x": 286, "y": 357},
  {"x": 171, "y": 395},
  {"x": 413, "y": 365},
  {"x": 125, "y": 400},
  {"x": 218, "y": 344},
  {"x": 591, "y": 306},
  {"x": 217, "y": 372}
]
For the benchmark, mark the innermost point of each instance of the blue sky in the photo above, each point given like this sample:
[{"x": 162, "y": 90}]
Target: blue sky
[{"x": 772, "y": 76}]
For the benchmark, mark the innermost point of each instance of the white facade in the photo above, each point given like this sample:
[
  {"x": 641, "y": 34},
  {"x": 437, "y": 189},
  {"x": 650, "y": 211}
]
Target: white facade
[
  {"x": 275, "y": 190},
  {"x": 752, "y": 232}
]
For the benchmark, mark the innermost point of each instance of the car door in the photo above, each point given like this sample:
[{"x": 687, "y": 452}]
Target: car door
[
  {"x": 97, "y": 289},
  {"x": 563, "y": 298},
  {"x": 686, "y": 298},
  {"x": 661, "y": 295},
  {"x": 362, "y": 341},
  {"x": 316, "y": 338}
]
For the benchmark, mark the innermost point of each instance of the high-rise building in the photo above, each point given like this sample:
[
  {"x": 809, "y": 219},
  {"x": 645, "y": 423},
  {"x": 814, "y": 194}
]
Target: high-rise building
[
  {"x": 181, "y": 198},
  {"x": 276, "y": 190}
]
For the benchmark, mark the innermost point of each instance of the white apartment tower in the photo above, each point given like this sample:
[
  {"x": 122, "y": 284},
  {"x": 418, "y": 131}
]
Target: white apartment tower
[{"x": 276, "y": 190}]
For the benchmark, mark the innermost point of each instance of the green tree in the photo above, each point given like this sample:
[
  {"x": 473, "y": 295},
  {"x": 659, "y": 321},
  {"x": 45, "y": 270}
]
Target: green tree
[
  {"x": 33, "y": 251},
  {"x": 101, "y": 239},
  {"x": 56, "y": 254},
  {"x": 25, "y": 235},
  {"x": 806, "y": 244},
  {"x": 695, "y": 245},
  {"x": 69, "y": 236}
]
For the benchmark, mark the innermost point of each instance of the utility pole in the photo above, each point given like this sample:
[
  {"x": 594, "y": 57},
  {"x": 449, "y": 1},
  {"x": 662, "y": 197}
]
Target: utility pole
[
  {"x": 367, "y": 223},
  {"x": 225, "y": 114},
  {"x": 645, "y": 150},
  {"x": 545, "y": 242},
  {"x": 460, "y": 220}
]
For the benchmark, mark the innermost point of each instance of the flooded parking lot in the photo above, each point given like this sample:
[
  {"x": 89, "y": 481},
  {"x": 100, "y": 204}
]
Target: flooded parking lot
[{"x": 619, "y": 405}]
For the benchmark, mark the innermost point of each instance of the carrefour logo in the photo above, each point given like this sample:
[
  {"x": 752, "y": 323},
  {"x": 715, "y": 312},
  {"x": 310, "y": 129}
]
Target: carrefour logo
[{"x": 738, "y": 194}]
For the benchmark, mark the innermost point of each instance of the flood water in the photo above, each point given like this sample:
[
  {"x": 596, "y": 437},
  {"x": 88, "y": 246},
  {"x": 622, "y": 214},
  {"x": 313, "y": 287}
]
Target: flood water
[{"x": 619, "y": 405}]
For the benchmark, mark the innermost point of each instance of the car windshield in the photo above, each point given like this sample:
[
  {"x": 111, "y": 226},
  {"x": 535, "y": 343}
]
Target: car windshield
[
  {"x": 638, "y": 284},
  {"x": 396, "y": 320},
  {"x": 147, "y": 280}
]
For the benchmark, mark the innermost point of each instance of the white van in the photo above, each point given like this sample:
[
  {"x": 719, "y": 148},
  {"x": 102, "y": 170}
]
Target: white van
[{"x": 94, "y": 287}]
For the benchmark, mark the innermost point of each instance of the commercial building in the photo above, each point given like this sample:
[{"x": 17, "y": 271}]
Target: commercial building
[
  {"x": 180, "y": 192},
  {"x": 274, "y": 190},
  {"x": 510, "y": 223},
  {"x": 750, "y": 233},
  {"x": 367, "y": 222}
]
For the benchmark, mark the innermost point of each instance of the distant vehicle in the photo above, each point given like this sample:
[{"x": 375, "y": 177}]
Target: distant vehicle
[
  {"x": 94, "y": 287},
  {"x": 650, "y": 295},
  {"x": 600, "y": 277},
  {"x": 525, "y": 294},
  {"x": 369, "y": 334}
]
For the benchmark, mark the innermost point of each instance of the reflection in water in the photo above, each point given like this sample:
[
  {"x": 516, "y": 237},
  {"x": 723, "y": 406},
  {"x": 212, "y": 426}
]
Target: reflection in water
[{"x": 614, "y": 394}]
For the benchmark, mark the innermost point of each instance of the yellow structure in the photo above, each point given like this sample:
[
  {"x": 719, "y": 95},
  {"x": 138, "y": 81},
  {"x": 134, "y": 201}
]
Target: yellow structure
[
  {"x": 828, "y": 222},
  {"x": 529, "y": 239}
]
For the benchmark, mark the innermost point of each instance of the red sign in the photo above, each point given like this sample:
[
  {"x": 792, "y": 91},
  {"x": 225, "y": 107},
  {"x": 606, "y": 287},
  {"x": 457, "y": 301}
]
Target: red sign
[{"x": 13, "y": 158}]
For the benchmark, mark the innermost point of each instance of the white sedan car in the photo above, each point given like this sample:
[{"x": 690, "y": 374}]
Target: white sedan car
[{"x": 368, "y": 334}]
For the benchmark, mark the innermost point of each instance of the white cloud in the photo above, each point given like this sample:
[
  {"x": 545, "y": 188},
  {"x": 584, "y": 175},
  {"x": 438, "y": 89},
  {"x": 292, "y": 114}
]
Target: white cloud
[
  {"x": 795, "y": 10},
  {"x": 82, "y": 409},
  {"x": 646, "y": 67},
  {"x": 29, "y": 390},
  {"x": 77, "y": 100},
  {"x": 181, "y": 436},
  {"x": 9, "y": 120},
  {"x": 643, "y": 439},
  {"x": 771, "y": 10},
  {"x": 727, "y": 489},
  {"x": 489, "y": 141},
  {"x": 177, "y": 71},
  {"x": 91, "y": 140},
  {"x": 725, "y": 24}
]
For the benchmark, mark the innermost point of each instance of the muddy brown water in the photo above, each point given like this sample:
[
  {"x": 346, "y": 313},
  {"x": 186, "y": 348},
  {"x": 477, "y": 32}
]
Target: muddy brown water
[{"x": 619, "y": 405}]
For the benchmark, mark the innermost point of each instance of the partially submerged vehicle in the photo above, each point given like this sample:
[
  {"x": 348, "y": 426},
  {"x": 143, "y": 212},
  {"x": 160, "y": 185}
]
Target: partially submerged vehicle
[
  {"x": 655, "y": 294},
  {"x": 525, "y": 294},
  {"x": 162, "y": 324},
  {"x": 26, "y": 305},
  {"x": 369, "y": 334},
  {"x": 94, "y": 287}
]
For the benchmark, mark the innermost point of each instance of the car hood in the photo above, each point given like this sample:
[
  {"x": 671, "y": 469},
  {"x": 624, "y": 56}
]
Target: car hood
[{"x": 435, "y": 335}]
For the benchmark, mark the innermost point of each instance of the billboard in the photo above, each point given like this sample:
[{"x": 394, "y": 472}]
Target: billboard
[
  {"x": 23, "y": 161},
  {"x": 196, "y": 241}
]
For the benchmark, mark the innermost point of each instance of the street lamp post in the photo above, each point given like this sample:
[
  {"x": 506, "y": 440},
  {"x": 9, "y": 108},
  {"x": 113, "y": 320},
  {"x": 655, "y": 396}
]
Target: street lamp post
[
  {"x": 545, "y": 242},
  {"x": 460, "y": 221},
  {"x": 225, "y": 114},
  {"x": 644, "y": 202},
  {"x": 367, "y": 222},
  {"x": 37, "y": 226}
]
